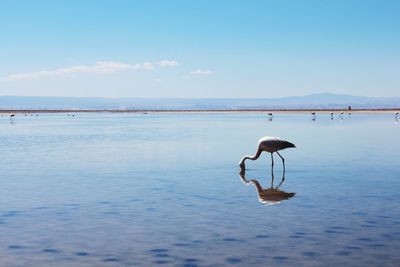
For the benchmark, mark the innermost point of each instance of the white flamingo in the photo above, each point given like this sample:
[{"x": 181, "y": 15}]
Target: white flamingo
[{"x": 271, "y": 145}]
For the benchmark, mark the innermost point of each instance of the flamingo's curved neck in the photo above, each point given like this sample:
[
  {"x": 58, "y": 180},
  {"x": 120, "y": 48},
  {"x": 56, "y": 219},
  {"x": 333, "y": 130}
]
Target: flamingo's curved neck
[{"x": 256, "y": 156}]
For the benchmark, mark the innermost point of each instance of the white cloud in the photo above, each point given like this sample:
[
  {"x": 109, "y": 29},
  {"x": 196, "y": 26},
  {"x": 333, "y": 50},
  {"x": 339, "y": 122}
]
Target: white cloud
[
  {"x": 101, "y": 67},
  {"x": 167, "y": 63},
  {"x": 201, "y": 72}
]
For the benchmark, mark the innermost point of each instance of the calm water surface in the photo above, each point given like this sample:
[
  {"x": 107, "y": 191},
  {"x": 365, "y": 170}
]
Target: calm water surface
[{"x": 164, "y": 189}]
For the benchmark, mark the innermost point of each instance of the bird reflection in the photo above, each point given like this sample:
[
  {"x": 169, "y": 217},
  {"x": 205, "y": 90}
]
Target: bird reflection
[{"x": 269, "y": 196}]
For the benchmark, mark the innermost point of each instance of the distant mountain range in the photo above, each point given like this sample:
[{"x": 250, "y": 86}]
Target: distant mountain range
[{"x": 315, "y": 101}]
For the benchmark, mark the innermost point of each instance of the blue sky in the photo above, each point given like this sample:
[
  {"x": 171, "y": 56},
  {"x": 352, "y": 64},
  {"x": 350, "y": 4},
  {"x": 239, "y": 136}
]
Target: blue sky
[{"x": 199, "y": 48}]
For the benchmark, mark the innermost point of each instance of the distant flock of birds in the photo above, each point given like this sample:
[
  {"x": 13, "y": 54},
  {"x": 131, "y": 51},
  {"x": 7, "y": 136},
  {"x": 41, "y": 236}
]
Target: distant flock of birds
[
  {"x": 270, "y": 115},
  {"x": 12, "y": 116},
  {"x": 341, "y": 113}
]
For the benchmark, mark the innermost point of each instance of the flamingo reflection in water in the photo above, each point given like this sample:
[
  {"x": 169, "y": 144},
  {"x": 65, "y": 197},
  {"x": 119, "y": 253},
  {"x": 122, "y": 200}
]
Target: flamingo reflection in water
[{"x": 269, "y": 196}]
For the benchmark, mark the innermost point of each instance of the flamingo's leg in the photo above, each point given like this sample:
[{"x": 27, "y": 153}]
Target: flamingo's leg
[
  {"x": 272, "y": 170},
  {"x": 284, "y": 169}
]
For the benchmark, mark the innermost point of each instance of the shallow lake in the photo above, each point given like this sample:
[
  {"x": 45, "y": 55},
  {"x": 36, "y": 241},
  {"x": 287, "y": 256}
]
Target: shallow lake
[{"x": 164, "y": 189}]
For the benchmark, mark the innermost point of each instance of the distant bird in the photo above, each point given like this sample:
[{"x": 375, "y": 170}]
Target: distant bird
[
  {"x": 270, "y": 114},
  {"x": 12, "y": 116},
  {"x": 313, "y": 115},
  {"x": 341, "y": 114},
  {"x": 396, "y": 115},
  {"x": 331, "y": 115},
  {"x": 271, "y": 145}
]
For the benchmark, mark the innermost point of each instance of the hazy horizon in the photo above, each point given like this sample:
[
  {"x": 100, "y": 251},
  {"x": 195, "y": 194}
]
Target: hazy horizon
[
  {"x": 276, "y": 97},
  {"x": 320, "y": 101}
]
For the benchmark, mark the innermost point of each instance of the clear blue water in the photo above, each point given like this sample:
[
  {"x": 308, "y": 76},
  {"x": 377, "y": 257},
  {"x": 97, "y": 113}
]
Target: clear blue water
[{"x": 164, "y": 189}]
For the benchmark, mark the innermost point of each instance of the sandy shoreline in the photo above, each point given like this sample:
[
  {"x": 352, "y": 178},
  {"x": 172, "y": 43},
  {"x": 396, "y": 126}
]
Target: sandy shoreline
[{"x": 28, "y": 111}]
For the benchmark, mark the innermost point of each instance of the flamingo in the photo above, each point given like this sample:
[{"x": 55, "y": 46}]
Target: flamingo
[
  {"x": 313, "y": 115},
  {"x": 341, "y": 114},
  {"x": 271, "y": 145}
]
